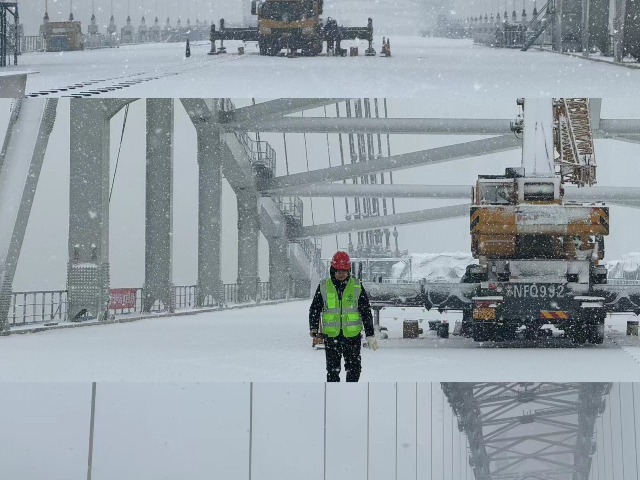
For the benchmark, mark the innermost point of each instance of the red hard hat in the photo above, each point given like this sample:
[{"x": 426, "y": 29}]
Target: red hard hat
[{"x": 341, "y": 261}]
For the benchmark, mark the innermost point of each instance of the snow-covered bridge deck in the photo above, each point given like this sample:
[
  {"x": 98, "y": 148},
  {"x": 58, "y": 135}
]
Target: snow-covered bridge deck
[
  {"x": 418, "y": 67},
  {"x": 271, "y": 343}
]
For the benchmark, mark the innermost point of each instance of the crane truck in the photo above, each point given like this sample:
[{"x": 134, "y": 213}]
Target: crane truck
[
  {"x": 293, "y": 25},
  {"x": 538, "y": 254}
]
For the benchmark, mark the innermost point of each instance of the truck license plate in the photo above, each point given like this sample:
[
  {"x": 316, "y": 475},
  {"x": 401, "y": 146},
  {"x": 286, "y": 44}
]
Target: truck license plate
[
  {"x": 534, "y": 290},
  {"x": 484, "y": 313}
]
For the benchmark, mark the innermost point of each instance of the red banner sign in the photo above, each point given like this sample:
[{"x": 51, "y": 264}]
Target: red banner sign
[{"x": 122, "y": 298}]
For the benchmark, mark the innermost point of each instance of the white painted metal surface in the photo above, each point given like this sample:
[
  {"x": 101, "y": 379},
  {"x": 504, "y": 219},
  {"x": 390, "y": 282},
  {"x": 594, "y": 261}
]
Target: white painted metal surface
[{"x": 537, "y": 144}]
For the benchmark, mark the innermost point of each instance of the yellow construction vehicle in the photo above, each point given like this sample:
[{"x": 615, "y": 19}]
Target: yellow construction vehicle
[
  {"x": 292, "y": 25},
  {"x": 539, "y": 255}
]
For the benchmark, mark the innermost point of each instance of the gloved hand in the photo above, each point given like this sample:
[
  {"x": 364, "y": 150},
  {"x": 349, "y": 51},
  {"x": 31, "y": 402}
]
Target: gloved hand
[
  {"x": 313, "y": 332},
  {"x": 372, "y": 343}
]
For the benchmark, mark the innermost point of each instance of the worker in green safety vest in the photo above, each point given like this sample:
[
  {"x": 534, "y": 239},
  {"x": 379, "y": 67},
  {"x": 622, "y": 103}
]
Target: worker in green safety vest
[{"x": 343, "y": 307}]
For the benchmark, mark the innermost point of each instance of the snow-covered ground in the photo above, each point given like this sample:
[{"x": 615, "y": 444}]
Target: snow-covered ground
[
  {"x": 271, "y": 343},
  {"x": 418, "y": 67}
]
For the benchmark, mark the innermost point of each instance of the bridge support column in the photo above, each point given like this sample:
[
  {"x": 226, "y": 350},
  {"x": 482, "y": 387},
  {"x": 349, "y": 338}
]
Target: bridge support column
[
  {"x": 88, "y": 268},
  {"x": 279, "y": 280},
  {"x": 159, "y": 205},
  {"x": 619, "y": 13},
  {"x": 248, "y": 230},
  {"x": 585, "y": 27},
  {"x": 557, "y": 27},
  {"x": 210, "y": 290}
]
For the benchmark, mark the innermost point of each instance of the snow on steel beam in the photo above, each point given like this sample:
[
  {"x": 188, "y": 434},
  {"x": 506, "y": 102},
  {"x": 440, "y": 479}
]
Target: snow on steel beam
[
  {"x": 458, "y": 151},
  {"x": 254, "y": 114},
  {"x": 448, "y": 126},
  {"x": 420, "y": 216}
]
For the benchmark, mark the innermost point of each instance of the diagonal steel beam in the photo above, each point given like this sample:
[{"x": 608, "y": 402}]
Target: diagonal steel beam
[
  {"x": 408, "y": 160},
  {"x": 252, "y": 118},
  {"x": 421, "y": 216},
  {"x": 21, "y": 159}
]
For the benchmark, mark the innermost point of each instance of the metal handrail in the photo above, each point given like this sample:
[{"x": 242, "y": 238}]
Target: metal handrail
[{"x": 27, "y": 308}]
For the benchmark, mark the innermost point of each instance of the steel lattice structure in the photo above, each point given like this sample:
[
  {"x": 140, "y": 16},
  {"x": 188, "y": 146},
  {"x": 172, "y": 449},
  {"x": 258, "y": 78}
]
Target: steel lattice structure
[{"x": 528, "y": 430}]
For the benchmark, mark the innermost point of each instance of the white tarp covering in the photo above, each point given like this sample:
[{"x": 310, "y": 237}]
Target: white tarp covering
[
  {"x": 435, "y": 267},
  {"x": 628, "y": 267},
  {"x": 537, "y": 146}
]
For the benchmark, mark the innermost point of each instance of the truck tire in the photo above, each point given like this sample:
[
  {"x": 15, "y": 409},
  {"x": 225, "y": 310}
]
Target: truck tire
[
  {"x": 443, "y": 330},
  {"x": 580, "y": 333},
  {"x": 596, "y": 334},
  {"x": 467, "y": 324},
  {"x": 480, "y": 333},
  {"x": 263, "y": 47}
]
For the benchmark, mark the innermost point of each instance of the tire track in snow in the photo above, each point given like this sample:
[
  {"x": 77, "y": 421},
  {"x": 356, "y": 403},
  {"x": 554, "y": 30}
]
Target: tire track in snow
[{"x": 100, "y": 86}]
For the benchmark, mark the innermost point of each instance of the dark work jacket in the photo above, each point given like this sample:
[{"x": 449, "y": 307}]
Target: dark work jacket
[{"x": 315, "y": 311}]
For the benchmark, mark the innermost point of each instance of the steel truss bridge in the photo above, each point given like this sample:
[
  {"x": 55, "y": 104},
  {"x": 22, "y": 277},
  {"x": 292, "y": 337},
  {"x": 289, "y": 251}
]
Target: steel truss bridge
[
  {"x": 267, "y": 203},
  {"x": 529, "y": 430}
]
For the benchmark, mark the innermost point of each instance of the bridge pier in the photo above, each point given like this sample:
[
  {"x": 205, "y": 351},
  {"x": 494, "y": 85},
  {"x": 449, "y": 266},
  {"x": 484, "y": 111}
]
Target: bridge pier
[
  {"x": 248, "y": 230},
  {"x": 210, "y": 290},
  {"x": 279, "y": 274},
  {"x": 88, "y": 267},
  {"x": 159, "y": 205}
]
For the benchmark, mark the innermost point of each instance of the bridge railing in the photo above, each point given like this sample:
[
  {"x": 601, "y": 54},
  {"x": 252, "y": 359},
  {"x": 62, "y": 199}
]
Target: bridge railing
[
  {"x": 32, "y": 43},
  {"x": 37, "y": 307},
  {"x": 49, "y": 306}
]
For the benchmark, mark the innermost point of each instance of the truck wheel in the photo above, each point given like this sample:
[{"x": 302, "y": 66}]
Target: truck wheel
[
  {"x": 596, "y": 334},
  {"x": 580, "y": 334},
  {"x": 263, "y": 48},
  {"x": 467, "y": 324},
  {"x": 443, "y": 330},
  {"x": 479, "y": 333}
]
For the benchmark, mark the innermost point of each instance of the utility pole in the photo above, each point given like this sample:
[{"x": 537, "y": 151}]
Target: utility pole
[{"x": 93, "y": 416}]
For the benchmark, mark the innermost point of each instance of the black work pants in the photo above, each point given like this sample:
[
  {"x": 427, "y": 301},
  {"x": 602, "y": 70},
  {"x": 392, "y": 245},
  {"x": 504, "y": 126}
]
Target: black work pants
[{"x": 349, "y": 348}]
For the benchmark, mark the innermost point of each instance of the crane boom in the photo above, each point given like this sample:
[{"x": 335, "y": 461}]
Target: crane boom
[{"x": 576, "y": 161}]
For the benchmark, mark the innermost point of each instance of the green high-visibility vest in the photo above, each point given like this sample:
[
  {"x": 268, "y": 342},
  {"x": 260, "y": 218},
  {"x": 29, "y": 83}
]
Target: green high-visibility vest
[{"x": 341, "y": 314}]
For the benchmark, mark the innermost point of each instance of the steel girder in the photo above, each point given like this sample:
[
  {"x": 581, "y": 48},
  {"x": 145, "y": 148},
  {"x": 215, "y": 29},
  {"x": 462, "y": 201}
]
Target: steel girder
[
  {"x": 397, "y": 162},
  {"x": 602, "y": 128},
  {"x": 420, "y": 216},
  {"x": 591, "y": 194},
  {"x": 251, "y": 117},
  {"x": 552, "y": 439}
]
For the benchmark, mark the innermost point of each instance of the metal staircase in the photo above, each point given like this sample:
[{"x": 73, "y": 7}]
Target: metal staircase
[
  {"x": 539, "y": 24},
  {"x": 276, "y": 212}
]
